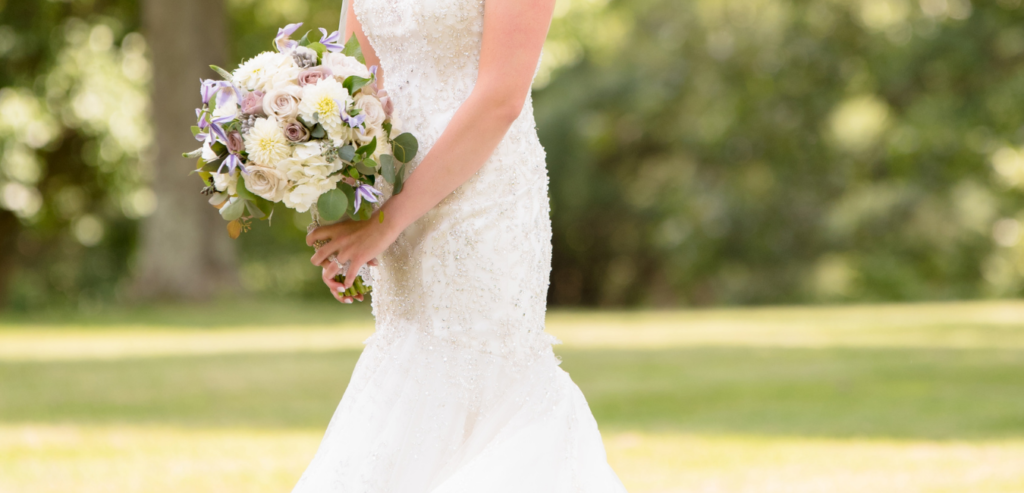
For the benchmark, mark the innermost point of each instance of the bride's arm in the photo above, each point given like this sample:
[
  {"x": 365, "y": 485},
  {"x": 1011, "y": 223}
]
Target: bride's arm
[
  {"x": 513, "y": 34},
  {"x": 352, "y": 26}
]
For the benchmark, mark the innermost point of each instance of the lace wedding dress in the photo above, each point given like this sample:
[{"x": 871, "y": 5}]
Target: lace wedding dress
[{"x": 458, "y": 390}]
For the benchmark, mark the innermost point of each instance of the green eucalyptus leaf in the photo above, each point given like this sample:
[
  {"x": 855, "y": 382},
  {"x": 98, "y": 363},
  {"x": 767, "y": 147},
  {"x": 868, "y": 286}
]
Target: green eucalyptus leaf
[
  {"x": 368, "y": 149},
  {"x": 354, "y": 83},
  {"x": 210, "y": 167},
  {"x": 254, "y": 210},
  {"x": 347, "y": 153},
  {"x": 405, "y": 147},
  {"x": 305, "y": 39},
  {"x": 367, "y": 167},
  {"x": 263, "y": 205},
  {"x": 318, "y": 132},
  {"x": 332, "y": 205},
  {"x": 353, "y": 49},
  {"x": 387, "y": 168},
  {"x": 218, "y": 198},
  {"x": 365, "y": 209},
  {"x": 318, "y": 48},
  {"x": 399, "y": 180},
  {"x": 221, "y": 72},
  {"x": 233, "y": 210},
  {"x": 195, "y": 130}
]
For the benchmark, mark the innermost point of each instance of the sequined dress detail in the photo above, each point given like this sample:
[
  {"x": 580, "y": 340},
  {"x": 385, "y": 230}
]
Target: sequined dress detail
[{"x": 458, "y": 390}]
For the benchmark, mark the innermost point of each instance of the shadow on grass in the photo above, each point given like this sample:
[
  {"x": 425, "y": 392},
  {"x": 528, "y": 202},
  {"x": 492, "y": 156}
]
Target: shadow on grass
[
  {"x": 893, "y": 393},
  {"x": 232, "y": 313}
]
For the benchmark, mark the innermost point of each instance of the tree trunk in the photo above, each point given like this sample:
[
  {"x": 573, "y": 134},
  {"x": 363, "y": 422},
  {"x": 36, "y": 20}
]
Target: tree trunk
[
  {"x": 10, "y": 228},
  {"x": 185, "y": 251}
]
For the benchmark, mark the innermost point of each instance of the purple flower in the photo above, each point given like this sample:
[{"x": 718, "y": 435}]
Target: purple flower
[
  {"x": 282, "y": 42},
  {"x": 206, "y": 89},
  {"x": 231, "y": 162},
  {"x": 201, "y": 115},
  {"x": 364, "y": 191},
  {"x": 353, "y": 121},
  {"x": 223, "y": 90},
  {"x": 218, "y": 129},
  {"x": 330, "y": 41}
]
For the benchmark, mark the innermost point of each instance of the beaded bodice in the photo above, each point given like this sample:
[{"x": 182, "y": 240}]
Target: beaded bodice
[{"x": 474, "y": 270}]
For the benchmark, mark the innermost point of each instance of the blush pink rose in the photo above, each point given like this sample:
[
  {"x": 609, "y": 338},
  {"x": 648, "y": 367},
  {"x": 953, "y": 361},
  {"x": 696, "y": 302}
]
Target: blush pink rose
[
  {"x": 235, "y": 142},
  {"x": 252, "y": 103},
  {"x": 311, "y": 76},
  {"x": 296, "y": 132}
]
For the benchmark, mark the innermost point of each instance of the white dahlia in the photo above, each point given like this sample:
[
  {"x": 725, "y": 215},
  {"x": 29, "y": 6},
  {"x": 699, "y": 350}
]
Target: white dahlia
[
  {"x": 323, "y": 104},
  {"x": 258, "y": 72},
  {"x": 266, "y": 143}
]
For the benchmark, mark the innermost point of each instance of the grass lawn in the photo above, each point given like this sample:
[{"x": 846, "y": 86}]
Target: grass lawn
[{"x": 895, "y": 398}]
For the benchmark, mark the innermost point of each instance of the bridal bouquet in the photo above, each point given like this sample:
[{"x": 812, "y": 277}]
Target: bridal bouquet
[{"x": 303, "y": 125}]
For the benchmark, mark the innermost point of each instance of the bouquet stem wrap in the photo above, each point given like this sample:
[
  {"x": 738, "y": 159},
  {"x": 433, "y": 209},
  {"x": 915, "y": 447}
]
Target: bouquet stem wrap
[{"x": 363, "y": 282}]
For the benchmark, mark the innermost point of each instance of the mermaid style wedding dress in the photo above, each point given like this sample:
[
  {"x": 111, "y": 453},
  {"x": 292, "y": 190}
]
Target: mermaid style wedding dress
[{"x": 458, "y": 390}]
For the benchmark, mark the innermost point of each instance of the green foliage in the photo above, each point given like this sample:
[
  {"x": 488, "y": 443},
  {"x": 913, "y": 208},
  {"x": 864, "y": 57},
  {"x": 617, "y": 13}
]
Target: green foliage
[
  {"x": 405, "y": 147},
  {"x": 353, "y": 49},
  {"x": 224, "y": 74},
  {"x": 333, "y": 205},
  {"x": 387, "y": 167},
  {"x": 783, "y": 151},
  {"x": 716, "y": 151},
  {"x": 354, "y": 83}
]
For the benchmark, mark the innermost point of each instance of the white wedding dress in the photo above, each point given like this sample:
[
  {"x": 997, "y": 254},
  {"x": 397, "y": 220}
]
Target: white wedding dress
[{"x": 458, "y": 390}]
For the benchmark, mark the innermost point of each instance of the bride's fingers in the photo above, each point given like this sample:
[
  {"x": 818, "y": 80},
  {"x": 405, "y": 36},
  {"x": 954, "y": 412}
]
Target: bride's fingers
[
  {"x": 322, "y": 233},
  {"x": 317, "y": 235},
  {"x": 329, "y": 271},
  {"x": 341, "y": 298},
  {"x": 373, "y": 262},
  {"x": 334, "y": 285},
  {"x": 331, "y": 248},
  {"x": 350, "y": 274}
]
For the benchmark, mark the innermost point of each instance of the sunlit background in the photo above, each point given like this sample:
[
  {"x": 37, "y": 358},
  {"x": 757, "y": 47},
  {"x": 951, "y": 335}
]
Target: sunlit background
[{"x": 702, "y": 153}]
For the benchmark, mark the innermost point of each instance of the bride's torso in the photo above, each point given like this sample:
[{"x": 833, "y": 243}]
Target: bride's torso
[{"x": 474, "y": 270}]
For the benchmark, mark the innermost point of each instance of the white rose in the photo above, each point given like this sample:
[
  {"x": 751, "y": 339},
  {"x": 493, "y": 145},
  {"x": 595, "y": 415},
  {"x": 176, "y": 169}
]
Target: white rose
[
  {"x": 372, "y": 110},
  {"x": 225, "y": 182},
  {"x": 282, "y": 103},
  {"x": 343, "y": 66},
  {"x": 302, "y": 197},
  {"x": 368, "y": 135},
  {"x": 266, "y": 182}
]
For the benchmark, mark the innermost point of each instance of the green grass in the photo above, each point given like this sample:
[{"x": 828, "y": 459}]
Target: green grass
[{"x": 874, "y": 398}]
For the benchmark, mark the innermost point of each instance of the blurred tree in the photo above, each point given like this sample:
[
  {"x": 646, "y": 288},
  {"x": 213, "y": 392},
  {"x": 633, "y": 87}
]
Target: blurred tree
[
  {"x": 778, "y": 151},
  {"x": 185, "y": 251}
]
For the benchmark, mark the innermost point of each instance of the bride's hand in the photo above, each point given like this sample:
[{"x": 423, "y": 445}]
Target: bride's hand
[
  {"x": 337, "y": 288},
  {"x": 356, "y": 242}
]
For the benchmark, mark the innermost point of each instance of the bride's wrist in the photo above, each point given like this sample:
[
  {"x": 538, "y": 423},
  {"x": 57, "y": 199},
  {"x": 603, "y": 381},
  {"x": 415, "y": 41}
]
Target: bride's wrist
[{"x": 392, "y": 219}]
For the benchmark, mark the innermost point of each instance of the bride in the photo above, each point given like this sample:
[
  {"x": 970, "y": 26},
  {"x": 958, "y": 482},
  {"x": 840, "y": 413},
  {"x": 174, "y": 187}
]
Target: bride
[{"x": 458, "y": 390}]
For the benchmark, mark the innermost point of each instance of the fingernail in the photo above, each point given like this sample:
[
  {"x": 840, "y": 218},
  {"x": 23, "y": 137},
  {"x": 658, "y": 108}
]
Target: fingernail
[{"x": 348, "y": 301}]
